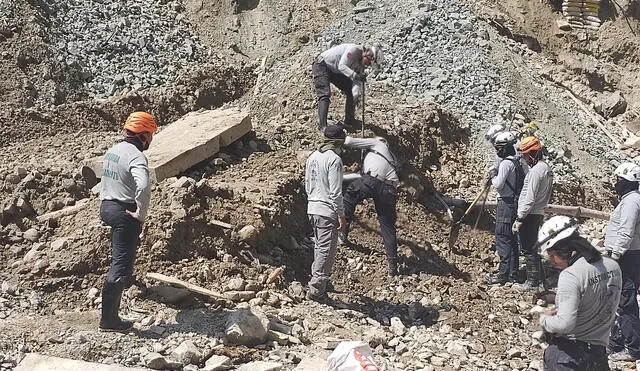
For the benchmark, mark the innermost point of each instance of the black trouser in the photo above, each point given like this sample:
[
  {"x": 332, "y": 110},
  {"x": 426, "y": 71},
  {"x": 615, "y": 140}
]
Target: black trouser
[
  {"x": 322, "y": 78},
  {"x": 626, "y": 329},
  {"x": 528, "y": 239},
  {"x": 125, "y": 231},
  {"x": 384, "y": 197},
  {"x": 506, "y": 240},
  {"x": 564, "y": 354}
]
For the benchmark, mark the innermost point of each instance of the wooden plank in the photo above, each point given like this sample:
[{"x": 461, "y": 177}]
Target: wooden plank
[
  {"x": 221, "y": 224},
  {"x": 186, "y": 285},
  {"x": 80, "y": 204},
  {"x": 575, "y": 211}
]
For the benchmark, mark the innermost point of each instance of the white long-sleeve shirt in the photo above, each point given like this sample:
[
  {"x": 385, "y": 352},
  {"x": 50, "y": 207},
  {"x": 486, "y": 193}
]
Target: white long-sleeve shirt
[
  {"x": 536, "y": 191},
  {"x": 345, "y": 59},
  {"x": 379, "y": 164},
  {"x": 505, "y": 180},
  {"x": 125, "y": 177},
  {"x": 623, "y": 231},
  {"x": 586, "y": 301},
  {"x": 323, "y": 184}
]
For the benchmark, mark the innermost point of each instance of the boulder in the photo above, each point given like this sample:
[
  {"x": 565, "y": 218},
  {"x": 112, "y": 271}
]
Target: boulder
[
  {"x": 248, "y": 234},
  {"x": 157, "y": 361},
  {"x": 247, "y": 326},
  {"x": 31, "y": 234}
]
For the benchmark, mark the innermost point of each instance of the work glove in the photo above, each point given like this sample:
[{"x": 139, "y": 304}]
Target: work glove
[
  {"x": 515, "y": 228},
  {"x": 615, "y": 256}
]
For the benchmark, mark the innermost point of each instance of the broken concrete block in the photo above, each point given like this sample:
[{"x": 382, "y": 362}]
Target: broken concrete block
[{"x": 157, "y": 361}]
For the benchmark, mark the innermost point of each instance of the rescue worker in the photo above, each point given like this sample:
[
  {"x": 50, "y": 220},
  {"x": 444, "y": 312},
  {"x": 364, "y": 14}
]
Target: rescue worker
[
  {"x": 325, "y": 208},
  {"x": 379, "y": 181},
  {"x": 586, "y": 299},
  {"x": 536, "y": 194},
  {"x": 507, "y": 180},
  {"x": 343, "y": 66},
  {"x": 125, "y": 196},
  {"x": 492, "y": 132},
  {"x": 622, "y": 243}
]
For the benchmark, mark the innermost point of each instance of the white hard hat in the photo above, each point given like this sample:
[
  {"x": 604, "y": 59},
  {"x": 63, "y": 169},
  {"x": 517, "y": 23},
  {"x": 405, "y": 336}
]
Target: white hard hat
[
  {"x": 503, "y": 138},
  {"x": 629, "y": 171},
  {"x": 555, "y": 229},
  {"x": 493, "y": 131}
]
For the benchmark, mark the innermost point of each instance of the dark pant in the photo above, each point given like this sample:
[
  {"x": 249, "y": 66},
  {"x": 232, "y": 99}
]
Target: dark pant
[
  {"x": 384, "y": 197},
  {"x": 528, "y": 239},
  {"x": 506, "y": 240},
  {"x": 125, "y": 231},
  {"x": 626, "y": 329},
  {"x": 322, "y": 78},
  {"x": 564, "y": 354}
]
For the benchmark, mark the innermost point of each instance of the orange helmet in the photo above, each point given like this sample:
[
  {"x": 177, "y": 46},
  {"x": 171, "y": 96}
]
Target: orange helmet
[
  {"x": 140, "y": 122},
  {"x": 529, "y": 144}
]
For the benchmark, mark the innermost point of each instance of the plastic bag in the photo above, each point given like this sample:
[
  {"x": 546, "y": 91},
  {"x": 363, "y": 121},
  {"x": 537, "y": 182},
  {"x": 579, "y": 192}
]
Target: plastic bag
[{"x": 352, "y": 356}]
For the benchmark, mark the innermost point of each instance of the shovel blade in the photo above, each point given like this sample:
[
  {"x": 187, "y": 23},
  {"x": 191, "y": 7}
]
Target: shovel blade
[{"x": 453, "y": 234}]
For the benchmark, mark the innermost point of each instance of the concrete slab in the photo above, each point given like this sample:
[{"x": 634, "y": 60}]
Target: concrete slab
[
  {"x": 39, "y": 362},
  {"x": 189, "y": 140}
]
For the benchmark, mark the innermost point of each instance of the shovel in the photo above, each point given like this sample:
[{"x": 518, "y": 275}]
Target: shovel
[{"x": 455, "y": 227}]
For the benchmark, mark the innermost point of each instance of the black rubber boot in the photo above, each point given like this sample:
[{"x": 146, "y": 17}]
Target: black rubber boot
[
  {"x": 111, "y": 297},
  {"x": 323, "y": 113},
  {"x": 393, "y": 269},
  {"x": 533, "y": 276}
]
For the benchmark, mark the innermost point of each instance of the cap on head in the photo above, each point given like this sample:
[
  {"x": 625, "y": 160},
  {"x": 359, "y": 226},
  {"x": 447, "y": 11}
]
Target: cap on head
[
  {"x": 140, "y": 122},
  {"x": 493, "y": 131},
  {"x": 376, "y": 53},
  {"x": 530, "y": 144},
  {"x": 504, "y": 138},
  {"x": 555, "y": 229},
  {"x": 629, "y": 171},
  {"x": 335, "y": 132}
]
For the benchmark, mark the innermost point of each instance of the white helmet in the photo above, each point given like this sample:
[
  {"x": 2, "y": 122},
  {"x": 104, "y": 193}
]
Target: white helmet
[
  {"x": 493, "y": 131},
  {"x": 504, "y": 138},
  {"x": 555, "y": 229},
  {"x": 629, "y": 171}
]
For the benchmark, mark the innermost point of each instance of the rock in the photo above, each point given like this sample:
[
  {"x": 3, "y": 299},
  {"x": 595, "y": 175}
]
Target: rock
[
  {"x": 60, "y": 244},
  {"x": 31, "y": 234},
  {"x": 236, "y": 284},
  {"x": 514, "y": 352},
  {"x": 157, "y": 361},
  {"x": 239, "y": 295},
  {"x": 248, "y": 234},
  {"x": 260, "y": 366},
  {"x": 247, "y": 326},
  {"x": 187, "y": 353},
  {"x": 376, "y": 336},
  {"x": 21, "y": 172},
  {"x": 170, "y": 294},
  {"x": 457, "y": 348},
  {"x": 182, "y": 182},
  {"x": 563, "y": 24},
  {"x": 190, "y": 368},
  {"x": 217, "y": 363},
  {"x": 8, "y": 288},
  {"x": 312, "y": 364},
  {"x": 397, "y": 327},
  {"x": 613, "y": 105},
  {"x": 24, "y": 206}
]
